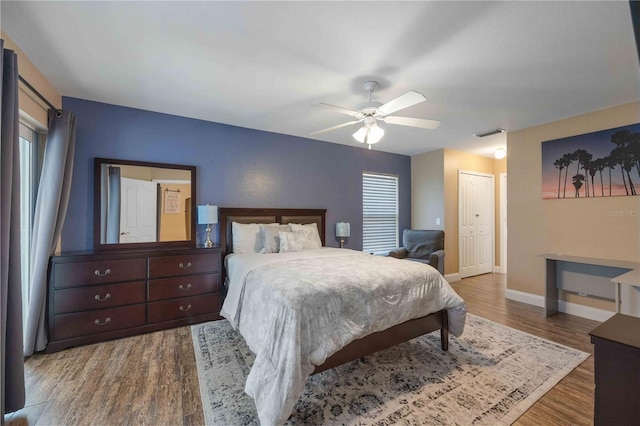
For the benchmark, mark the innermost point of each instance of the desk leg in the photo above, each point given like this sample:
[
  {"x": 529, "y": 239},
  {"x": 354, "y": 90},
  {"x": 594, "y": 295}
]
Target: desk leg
[
  {"x": 551, "y": 290},
  {"x": 617, "y": 298}
]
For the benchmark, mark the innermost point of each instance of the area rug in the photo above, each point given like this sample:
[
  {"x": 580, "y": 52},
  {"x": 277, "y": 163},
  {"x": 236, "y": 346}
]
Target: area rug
[{"x": 490, "y": 376}]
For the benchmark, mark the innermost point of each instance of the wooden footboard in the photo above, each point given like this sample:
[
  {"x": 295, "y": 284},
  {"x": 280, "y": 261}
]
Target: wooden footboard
[{"x": 385, "y": 339}]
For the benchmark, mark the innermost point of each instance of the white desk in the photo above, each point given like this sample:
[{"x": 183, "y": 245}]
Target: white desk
[
  {"x": 629, "y": 284},
  {"x": 588, "y": 276}
]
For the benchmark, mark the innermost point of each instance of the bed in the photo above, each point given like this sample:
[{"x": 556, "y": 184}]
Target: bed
[{"x": 296, "y": 311}]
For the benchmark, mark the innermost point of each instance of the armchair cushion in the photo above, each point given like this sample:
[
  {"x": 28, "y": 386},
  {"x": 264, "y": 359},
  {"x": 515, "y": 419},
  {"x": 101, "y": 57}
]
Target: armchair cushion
[{"x": 426, "y": 246}]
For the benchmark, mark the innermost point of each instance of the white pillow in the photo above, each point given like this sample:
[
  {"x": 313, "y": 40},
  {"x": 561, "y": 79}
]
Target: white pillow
[
  {"x": 270, "y": 237},
  {"x": 292, "y": 241},
  {"x": 311, "y": 229},
  {"x": 246, "y": 237}
]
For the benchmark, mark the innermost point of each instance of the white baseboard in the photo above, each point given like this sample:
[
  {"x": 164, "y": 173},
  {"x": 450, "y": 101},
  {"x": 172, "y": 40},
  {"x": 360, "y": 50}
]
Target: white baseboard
[
  {"x": 521, "y": 296},
  {"x": 588, "y": 312},
  {"x": 452, "y": 277},
  {"x": 565, "y": 307},
  {"x": 498, "y": 269}
]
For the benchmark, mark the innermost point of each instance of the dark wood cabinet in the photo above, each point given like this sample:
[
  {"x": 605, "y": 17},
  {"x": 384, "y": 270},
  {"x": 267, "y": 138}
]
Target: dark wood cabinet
[
  {"x": 94, "y": 297},
  {"x": 617, "y": 371}
]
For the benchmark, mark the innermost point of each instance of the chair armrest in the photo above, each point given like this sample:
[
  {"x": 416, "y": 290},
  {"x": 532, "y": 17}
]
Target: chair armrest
[
  {"x": 399, "y": 253},
  {"x": 436, "y": 259}
]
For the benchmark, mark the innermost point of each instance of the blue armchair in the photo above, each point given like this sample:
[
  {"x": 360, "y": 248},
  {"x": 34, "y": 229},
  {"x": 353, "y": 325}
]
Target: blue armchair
[{"x": 421, "y": 245}]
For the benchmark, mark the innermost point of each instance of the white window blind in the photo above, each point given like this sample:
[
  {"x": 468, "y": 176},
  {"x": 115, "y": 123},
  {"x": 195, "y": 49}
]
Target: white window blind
[{"x": 379, "y": 212}]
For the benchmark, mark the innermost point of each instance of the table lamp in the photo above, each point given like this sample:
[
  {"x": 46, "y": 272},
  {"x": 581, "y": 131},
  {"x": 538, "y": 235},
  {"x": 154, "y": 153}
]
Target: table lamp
[
  {"x": 207, "y": 215},
  {"x": 343, "y": 230}
]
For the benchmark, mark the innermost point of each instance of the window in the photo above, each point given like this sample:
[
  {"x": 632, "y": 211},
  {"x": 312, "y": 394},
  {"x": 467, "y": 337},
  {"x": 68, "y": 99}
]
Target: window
[
  {"x": 29, "y": 171},
  {"x": 379, "y": 212}
]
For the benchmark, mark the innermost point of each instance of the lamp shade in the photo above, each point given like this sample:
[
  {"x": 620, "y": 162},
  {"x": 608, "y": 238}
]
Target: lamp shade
[
  {"x": 207, "y": 214},
  {"x": 375, "y": 134},
  {"x": 361, "y": 134},
  {"x": 343, "y": 229}
]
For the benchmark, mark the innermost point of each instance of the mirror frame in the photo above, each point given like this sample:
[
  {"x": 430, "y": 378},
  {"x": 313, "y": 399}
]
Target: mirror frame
[{"x": 99, "y": 246}]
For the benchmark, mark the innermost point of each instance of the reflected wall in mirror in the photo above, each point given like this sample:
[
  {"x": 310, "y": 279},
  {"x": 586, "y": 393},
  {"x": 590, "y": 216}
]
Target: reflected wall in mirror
[{"x": 143, "y": 205}]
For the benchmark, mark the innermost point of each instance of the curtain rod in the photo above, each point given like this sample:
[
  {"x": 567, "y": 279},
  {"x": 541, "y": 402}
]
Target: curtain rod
[{"x": 45, "y": 100}]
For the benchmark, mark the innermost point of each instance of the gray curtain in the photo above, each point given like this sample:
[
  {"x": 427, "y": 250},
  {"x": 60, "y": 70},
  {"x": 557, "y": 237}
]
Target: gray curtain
[
  {"x": 51, "y": 209},
  {"x": 12, "y": 362}
]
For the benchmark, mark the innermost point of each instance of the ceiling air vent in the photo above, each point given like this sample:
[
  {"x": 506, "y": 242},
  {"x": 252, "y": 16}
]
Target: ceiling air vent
[{"x": 490, "y": 132}]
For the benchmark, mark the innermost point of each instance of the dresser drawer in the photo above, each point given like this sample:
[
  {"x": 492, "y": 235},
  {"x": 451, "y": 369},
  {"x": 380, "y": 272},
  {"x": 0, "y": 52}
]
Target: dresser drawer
[
  {"x": 183, "y": 308},
  {"x": 99, "y": 296},
  {"x": 188, "y": 285},
  {"x": 168, "y": 266},
  {"x": 71, "y": 274},
  {"x": 98, "y": 321}
]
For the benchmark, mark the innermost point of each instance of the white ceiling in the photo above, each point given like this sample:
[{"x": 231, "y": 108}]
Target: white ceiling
[{"x": 261, "y": 65}]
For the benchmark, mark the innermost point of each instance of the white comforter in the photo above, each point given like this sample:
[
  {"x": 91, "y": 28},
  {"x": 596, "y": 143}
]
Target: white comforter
[{"x": 297, "y": 309}]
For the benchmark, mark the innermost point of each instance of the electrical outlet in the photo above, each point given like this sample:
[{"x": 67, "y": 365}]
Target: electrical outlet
[{"x": 437, "y": 221}]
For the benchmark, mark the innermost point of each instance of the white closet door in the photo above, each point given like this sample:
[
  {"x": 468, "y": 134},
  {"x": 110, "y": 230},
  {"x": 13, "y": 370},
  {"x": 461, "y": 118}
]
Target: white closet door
[{"x": 475, "y": 223}]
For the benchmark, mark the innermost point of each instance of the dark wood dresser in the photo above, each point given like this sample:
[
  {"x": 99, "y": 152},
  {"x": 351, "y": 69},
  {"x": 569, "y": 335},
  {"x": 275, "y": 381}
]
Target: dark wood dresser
[
  {"x": 94, "y": 297},
  {"x": 617, "y": 371}
]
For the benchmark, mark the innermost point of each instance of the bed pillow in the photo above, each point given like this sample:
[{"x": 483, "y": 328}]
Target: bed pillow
[
  {"x": 246, "y": 237},
  {"x": 270, "y": 237},
  {"x": 311, "y": 230},
  {"x": 292, "y": 241}
]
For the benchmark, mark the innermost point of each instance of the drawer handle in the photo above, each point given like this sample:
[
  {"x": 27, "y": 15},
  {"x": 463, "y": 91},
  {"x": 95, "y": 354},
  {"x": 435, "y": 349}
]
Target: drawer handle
[
  {"x": 183, "y": 309},
  {"x": 183, "y": 266},
  {"x": 102, "y": 299},
  {"x": 181, "y": 287},
  {"x": 107, "y": 321},
  {"x": 102, "y": 274}
]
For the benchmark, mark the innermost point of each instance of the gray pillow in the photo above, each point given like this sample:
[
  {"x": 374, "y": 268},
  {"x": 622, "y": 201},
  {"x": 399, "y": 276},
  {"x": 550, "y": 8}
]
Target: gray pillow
[{"x": 270, "y": 238}]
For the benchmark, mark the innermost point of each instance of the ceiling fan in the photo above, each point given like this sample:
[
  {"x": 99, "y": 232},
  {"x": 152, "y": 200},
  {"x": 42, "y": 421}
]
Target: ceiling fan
[{"x": 371, "y": 112}]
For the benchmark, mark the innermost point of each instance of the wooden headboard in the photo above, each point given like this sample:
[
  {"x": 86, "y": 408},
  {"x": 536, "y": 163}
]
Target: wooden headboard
[{"x": 228, "y": 215}]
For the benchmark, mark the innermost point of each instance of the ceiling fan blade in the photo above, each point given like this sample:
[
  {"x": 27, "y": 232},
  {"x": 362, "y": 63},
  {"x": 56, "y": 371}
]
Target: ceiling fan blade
[
  {"x": 349, "y": 123},
  {"x": 401, "y": 102},
  {"x": 413, "y": 122},
  {"x": 341, "y": 110}
]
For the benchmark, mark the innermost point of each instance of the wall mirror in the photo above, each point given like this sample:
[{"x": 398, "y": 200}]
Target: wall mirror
[{"x": 143, "y": 205}]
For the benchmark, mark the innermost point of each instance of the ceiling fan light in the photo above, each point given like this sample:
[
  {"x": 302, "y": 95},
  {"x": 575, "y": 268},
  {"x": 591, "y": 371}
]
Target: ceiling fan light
[
  {"x": 375, "y": 134},
  {"x": 361, "y": 134}
]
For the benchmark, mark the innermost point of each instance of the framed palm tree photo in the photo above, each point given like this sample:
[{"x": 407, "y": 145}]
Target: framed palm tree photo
[{"x": 598, "y": 164}]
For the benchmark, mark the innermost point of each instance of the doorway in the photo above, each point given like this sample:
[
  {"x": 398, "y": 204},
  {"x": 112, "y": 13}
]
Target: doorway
[{"x": 475, "y": 223}]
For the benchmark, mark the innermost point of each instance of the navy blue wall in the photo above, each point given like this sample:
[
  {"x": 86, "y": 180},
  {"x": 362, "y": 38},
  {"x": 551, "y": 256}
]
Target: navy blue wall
[{"x": 235, "y": 167}]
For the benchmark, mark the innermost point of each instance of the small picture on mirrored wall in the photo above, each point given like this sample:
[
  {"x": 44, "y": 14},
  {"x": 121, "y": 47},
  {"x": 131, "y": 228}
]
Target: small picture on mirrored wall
[{"x": 598, "y": 164}]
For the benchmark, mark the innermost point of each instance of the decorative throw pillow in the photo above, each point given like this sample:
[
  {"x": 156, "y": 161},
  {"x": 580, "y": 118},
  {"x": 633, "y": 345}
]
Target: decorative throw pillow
[
  {"x": 311, "y": 230},
  {"x": 246, "y": 237},
  {"x": 292, "y": 241},
  {"x": 270, "y": 237}
]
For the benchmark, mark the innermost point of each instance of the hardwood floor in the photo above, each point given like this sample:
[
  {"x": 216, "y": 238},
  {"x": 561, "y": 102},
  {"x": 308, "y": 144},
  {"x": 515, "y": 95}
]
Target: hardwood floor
[{"x": 151, "y": 379}]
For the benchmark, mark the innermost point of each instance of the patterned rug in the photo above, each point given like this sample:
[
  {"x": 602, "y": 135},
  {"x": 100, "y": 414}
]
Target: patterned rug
[{"x": 490, "y": 376}]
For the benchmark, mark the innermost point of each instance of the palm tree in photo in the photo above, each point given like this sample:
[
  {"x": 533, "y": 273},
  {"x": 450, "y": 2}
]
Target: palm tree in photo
[
  {"x": 599, "y": 165},
  {"x": 627, "y": 165},
  {"x": 559, "y": 163},
  {"x": 610, "y": 164},
  {"x": 584, "y": 158},
  {"x": 577, "y": 183},
  {"x": 625, "y": 142},
  {"x": 617, "y": 156},
  {"x": 568, "y": 160},
  {"x": 593, "y": 168},
  {"x": 634, "y": 148}
]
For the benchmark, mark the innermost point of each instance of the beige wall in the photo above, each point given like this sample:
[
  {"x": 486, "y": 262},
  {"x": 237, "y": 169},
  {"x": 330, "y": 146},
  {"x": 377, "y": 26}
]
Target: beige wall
[
  {"x": 434, "y": 194},
  {"x": 579, "y": 227},
  {"x": 32, "y": 109},
  {"x": 427, "y": 190},
  {"x": 173, "y": 226},
  {"x": 454, "y": 161}
]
